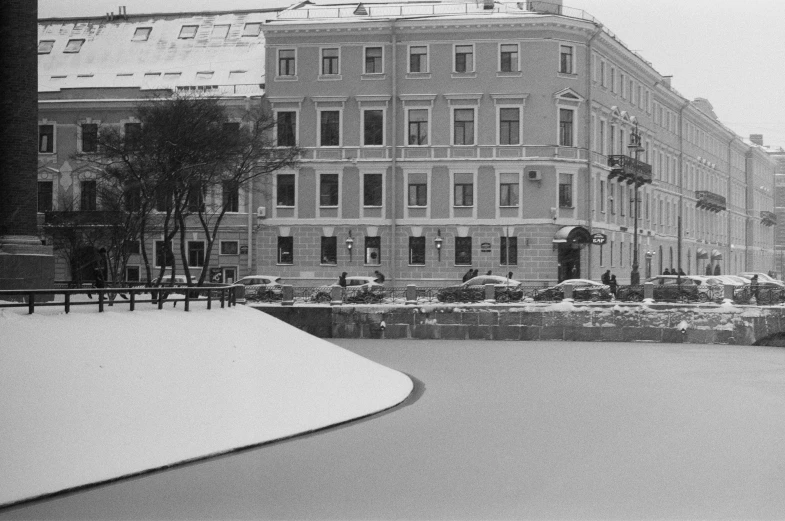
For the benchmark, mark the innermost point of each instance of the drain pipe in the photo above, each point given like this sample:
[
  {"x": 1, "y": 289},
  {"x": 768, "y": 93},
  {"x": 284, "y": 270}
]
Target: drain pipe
[
  {"x": 679, "y": 228},
  {"x": 394, "y": 164},
  {"x": 590, "y": 137}
]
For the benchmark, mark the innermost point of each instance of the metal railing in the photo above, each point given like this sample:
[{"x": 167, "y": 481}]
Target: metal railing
[
  {"x": 120, "y": 295},
  {"x": 629, "y": 169}
]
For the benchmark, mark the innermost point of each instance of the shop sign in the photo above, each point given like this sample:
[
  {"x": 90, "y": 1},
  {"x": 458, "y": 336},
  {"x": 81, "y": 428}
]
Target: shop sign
[{"x": 599, "y": 239}]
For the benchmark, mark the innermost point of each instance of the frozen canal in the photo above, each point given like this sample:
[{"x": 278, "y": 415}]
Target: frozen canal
[{"x": 504, "y": 430}]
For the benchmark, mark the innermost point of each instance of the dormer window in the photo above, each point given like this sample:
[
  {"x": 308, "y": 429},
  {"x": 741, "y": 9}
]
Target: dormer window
[
  {"x": 204, "y": 75},
  {"x": 45, "y": 46},
  {"x": 220, "y": 31},
  {"x": 73, "y": 46},
  {"x": 252, "y": 29},
  {"x": 141, "y": 34},
  {"x": 188, "y": 31}
]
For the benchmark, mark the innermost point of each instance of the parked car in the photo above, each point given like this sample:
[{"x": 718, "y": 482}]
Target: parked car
[
  {"x": 473, "y": 290},
  {"x": 358, "y": 290},
  {"x": 763, "y": 279},
  {"x": 583, "y": 289},
  {"x": 262, "y": 287},
  {"x": 672, "y": 288},
  {"x": 166, "y": 280}
]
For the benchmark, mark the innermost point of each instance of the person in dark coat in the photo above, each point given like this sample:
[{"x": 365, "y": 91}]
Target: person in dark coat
[
  {"x": 666, "y": 272},
  {"x": 379, "y": 276},
  {"x": 490, "y": 272},
  {"x": 606, "y": 277},
  {"x": 98, "y": 280},
  {"x": 613, "y": 285},
  {"x": 476, "y": 273},
  {"x": 708, "y": 269},
  {"x": 717, "y": 270},
  {"x": 467, "y": 275},
  {"x": 754, "y": 287},
  {"x": 342, "y": 279}
]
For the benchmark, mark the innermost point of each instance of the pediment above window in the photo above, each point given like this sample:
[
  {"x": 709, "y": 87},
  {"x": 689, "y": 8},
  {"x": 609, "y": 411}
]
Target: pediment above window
[{"x": 568, "y": 97}]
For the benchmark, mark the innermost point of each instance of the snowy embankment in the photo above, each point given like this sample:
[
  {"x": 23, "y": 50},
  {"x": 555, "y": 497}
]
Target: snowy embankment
[{"x": 89, "y": 397}]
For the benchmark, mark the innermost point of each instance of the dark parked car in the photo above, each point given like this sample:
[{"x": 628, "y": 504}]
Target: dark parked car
[
  {"x": 671, "y": 288},
  {"x": 583, "y": 289},
  {"x": 473, "y": 290}
]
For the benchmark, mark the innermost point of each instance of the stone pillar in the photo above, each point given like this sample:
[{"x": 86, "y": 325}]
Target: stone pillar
[
  {"x": 24, "y": 261},
  {"x": 411, "y": 294},
  {"x": 490, "y": 293},
  {"x": 287, "y": 299}
]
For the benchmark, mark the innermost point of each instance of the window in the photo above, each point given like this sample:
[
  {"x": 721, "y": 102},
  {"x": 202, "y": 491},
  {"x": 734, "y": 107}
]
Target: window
[
  {"x": 565, "y": 127},
  {"x": 133, "y": 136},
  {"x": 612, "y": 193},
  {"x": 565, "y": 190},
  {"x": 131, "y": 247},
  {"x": 418, "y": 190},
  {"x": 463, "y": 190},
  {"x": 230, "y": 247},
  {"x": 45, "y": 196},
  {"x": 286, "y": 62},
  {"x": 373, "y": 127},
  {"x": 195, "y": 253},
  {"x": 163, "y": 257},
  {"x": 373, "y": 60},
  {"x": 231, "y": 196},
  {"x": 602, "y": 73},
  {"x": 602, "y": 196},
  {"x": 464, "y": 58},
  {"x": 141, "y": 34},
  {"x": 133, "y": 197},
  {"x": 508, "y": 57},
  {"x": 328, "y": 190},
  {"x": 252, "y": 29},
  {"x": 463, "y": 127},
  {"x": 329, "y": 250},
  {"x": 205, "y": 75},
  {"x": 45, "y": 46},
  {"x": 220, "y": 31},
  {"x": 132, "y": 274},
  {"x": 463, "y": 251},
  {"x": 195, "y": 197},
  {"x": 613, "y": 80},
  {"x": 417, "y": 251},
  {"x": 285, "y": 250},
  {"x": 508, "y": 256},
  {"x": 509, "y": 126},
  {"x": 418, "y": 127},
  {"x": 566, "y": 59},
  {"x": 508, "y": 190},
  {"x": 286, "y": 129},
  {"x": 330, "y": 128},
  {"x": 285, "y": 190},
  {"x": 372, "y": 190},
  {"x": 418, "y": 58},
  {"x": 89, "y": 137},
  {"x": 46, "y": 138},
  {"x": 88, "y": 196},
  {"x": 73, "y": 46},
  {"x": 188, "y": 31},
  {"x": 329, "y": 62},
  {"x": 373, "y": 250}
]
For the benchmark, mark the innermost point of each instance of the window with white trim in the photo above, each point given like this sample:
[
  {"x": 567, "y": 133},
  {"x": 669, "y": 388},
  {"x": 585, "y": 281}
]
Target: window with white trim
[
  {"x": 285, "y": 250},
  {"x": 46, "y": 139},
  {"x": 373, "y": 190},
  {"x": 464, "y": 58},
  {"x": 566, "y": 59},
  {"x": 188, "y": 32},
  {"x": 328, "y": 190},
  {"x": 566, "y": 127},
  {"x": 286, "y": 128},
  {"x": 373, "y": 60},
  {"x": 463, "y": 190},
  {"x": 73, "y": 46},
  {"x": 418, "y": 126},
  {"x": 285, "y": 190},
  {"x": 418, "y": 58},
  {"x": 463, "y": 126},
  {"x": 329, "y": 128},
  {"x": 45, "y": 46},
  {"x": 508, "y": 57},
  {"x": 287, "y": 62},
  {"x": 330, "y": 61},
  {"x": 418, "y": 189},
  {"x": 509, "y": 190},
  {"x": 509, "y": 126},
  {"x": 196, "y": 253},
  {"x": 230, "y": 248},
  {"x": 373, "y": 127},
  {"x": 417, "y": 251}
]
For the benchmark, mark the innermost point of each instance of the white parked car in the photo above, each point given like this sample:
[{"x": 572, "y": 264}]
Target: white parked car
[
  {"x": 358, "y": 289},
  {"x": 262, "y": 287}
]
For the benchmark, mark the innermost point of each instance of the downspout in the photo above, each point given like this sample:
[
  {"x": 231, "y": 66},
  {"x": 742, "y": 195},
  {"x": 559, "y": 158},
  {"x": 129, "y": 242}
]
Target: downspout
[
  {"x": 394, "y": 146},
  {"x": 728, "y": 202},
  {"x": 251, "y": 245},
  {"x": 679, "y": 225},
  {"x": 589, "y": 150}
]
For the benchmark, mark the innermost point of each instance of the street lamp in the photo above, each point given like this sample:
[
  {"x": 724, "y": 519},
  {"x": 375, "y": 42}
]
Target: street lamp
[
  {"x": 635, "y": 148},
  {"x": 349, "y": 245},
  {"x": 438, "y": 242}
]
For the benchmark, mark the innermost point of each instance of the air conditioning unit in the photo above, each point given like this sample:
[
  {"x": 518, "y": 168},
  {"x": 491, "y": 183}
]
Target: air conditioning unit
[
  {"x": 534, "y": 175},
  {"x": 261, "y": 212}
]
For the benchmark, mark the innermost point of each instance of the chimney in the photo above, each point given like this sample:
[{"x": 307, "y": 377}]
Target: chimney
[{"x": 757, "y": 139}]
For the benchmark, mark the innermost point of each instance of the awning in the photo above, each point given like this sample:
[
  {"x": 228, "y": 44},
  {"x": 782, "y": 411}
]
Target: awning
[
  {"x": 701, "y": 254},
  {"x": 716, "y": 255},
  {"x": 572, "y": 235}
]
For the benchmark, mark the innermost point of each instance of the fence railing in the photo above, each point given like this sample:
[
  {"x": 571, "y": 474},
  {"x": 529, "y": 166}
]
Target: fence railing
[
  {"x": 411, "y": 294},
  {"x": 225, "y": 295}
]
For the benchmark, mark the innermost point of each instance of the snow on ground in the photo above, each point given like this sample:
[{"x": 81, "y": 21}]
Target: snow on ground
[{"x": 89, "y": 396}]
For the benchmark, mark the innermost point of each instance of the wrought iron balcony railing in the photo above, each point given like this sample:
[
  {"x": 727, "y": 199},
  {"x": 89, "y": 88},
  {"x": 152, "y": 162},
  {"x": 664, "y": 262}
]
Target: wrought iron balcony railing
[
  {"x": 629, "y": 169},
  {"x": 768, "y": 218},
  {"x": 710, "y": 201}
]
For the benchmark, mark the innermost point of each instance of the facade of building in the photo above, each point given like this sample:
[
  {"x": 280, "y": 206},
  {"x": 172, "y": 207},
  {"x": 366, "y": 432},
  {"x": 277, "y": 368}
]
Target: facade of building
[
  {"x": 93, "y": 72},
  {"x": 443, "y": 137}
]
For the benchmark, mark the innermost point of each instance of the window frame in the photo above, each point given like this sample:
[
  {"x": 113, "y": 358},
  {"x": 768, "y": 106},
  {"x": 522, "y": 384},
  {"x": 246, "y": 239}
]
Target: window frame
[
  {"x": 246, "y": 33},
  {"x": 571, "y": 64},
  {"x": 366, "y": 48},
  {"x": 409, "y": 186},
  {"x": 296, "y": 112},
  {"x": 322, "y": 176},
  {"x": 80, "y": 138},
  {"x": 203, "y": 252},
  {"x": 278, "y": 62},
  {"x": 363, "y": 112},
  {"x": 455, "y": 58},
  {"x": 365, "y": 193},
  {"x": 453, "y": 110},
  {"x": 427, "y": 59},
  {"x": 221, "y": 247},
  {"x": 499, "y": 109},
  {"x": 48, "y": 204},
  {"x": 234, "y": 204},
  {"x": 141, "y": 34},
  {"x": 510, "y": 242},
  {"x": 329, "y": 244},
  {"x": 322, "y": 73},
  {"x": 515, "y": 65},
  {"x": 562, "y": 197},
  {"x": 517, "y": 184},
  {"x": 471, "y": 194},
  {"x": 216, "y": 35},
  {"x": 280, "y": 260},
  {"x": 427, "y": 123},
  {"x": 52, "y": 143},
  {"x": 278, "y": 188},
  {"x": 319, "y": 137},
  {"x": 369, "y": 239},
  {"x": 572, "y": 128},
  {"x": 467, "y": 241},
  {"x": 182, "y": 35},
  {"x": 72, "y": 48},
  {"x": 45, "y": 46}
]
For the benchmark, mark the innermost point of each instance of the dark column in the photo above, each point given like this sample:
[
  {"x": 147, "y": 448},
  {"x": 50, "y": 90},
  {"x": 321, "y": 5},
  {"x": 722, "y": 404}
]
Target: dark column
[{"x": 24, "y": 261}]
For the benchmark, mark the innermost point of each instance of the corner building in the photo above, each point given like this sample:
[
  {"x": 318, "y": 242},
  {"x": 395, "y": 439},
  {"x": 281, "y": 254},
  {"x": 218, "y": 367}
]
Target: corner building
[{"x": 440, "y": 137}]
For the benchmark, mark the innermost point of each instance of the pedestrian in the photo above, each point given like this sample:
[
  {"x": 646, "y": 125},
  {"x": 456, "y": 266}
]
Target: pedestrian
[
  {"x": 681, "y": 272},
  {"x": 606, "y": 277},
  {"x": 98, "y": 280},
  {"x": 476, "y": 273},
  {"x": 666, "y": 272},
  {"x": 754, "y": 287},
  {"x": 469, "y": 274},
  {"x": 717, "y": 270},
  {"x": 342, "y": 279},
  {"x": 489, "y": 272},
  {"x": 379, "y": 276},
  {"x": 708, "y": 269},
  {"x": 509, "y": 275},
  {"x": 613, "y": 285}
]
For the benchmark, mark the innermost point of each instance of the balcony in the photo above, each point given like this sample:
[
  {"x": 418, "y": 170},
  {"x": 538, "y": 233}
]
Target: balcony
[
  {"x": 630, "y": 170},
  {"x": 710, "y": 201},
  {"x": 768, "y": 218}
]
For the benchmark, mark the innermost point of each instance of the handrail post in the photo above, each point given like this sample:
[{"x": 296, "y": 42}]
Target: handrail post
[
  {"x": 287, "y": 295},
  {"x": 160, "y": 300},
  {"x": 131, "y": 298},
  {"x": 490, "y": 293},
  {"x": 100, "y": 301},
  {"x": 411, "y": 294},
  {"x": 648, "y": 291},
  {"x": 187, "y": 299},
  {"x": 568, "y": 292},
  {"x": 209, "y": 299},
  {"x": 67, "y": 302},
  {"x": 222, "y": 297},
  {"x": 30, "y": 303},
  {"x": 336, "y": 296}
]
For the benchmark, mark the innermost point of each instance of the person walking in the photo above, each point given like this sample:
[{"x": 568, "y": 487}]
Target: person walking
[
  {"x": 379, "y": 276},
  {"x": 613, "y": 285},
  {"x": 490, "y": 272},
  {"x": 476, "y": 273},
  {"x": 754, "y": 288},
  {"x": 467, "y": 275},
  {"x": 342, "y": 279},
  {"x": 666, "y": 272},
  {"x": 606, "y": 277}
]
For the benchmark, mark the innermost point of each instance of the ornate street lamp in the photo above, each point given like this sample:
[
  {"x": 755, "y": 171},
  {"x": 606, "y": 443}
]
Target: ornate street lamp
[
  {"x": 635, "y": 149},
  {"x": 349, "y": 245},
  {"x": 438, "y": 242}
]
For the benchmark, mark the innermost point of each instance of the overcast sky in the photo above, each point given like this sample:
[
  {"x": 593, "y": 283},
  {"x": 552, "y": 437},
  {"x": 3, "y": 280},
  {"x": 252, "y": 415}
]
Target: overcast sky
[{"x": 731, "y": 52}]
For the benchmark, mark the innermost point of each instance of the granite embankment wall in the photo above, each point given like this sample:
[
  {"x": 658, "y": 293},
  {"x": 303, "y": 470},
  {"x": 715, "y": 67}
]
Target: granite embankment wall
[{"x": 700, "y": 324}]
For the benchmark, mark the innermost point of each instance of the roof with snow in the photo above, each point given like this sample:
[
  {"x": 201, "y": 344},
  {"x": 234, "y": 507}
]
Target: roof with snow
[{"x": 220, "y": 52}]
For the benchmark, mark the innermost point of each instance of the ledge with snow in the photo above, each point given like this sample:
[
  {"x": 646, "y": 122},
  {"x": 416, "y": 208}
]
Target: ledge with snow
[{"x": 90, "y": 397}]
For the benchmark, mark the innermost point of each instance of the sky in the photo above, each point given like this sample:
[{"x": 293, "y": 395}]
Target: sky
[{"x": 730, "y": 52}]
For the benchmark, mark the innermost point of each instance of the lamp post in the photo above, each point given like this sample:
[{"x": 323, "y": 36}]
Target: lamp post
[
  {"x": 349, "y": 245},
  {"x": 438, "y": 242},
  {"x": 635, "y": 148}
]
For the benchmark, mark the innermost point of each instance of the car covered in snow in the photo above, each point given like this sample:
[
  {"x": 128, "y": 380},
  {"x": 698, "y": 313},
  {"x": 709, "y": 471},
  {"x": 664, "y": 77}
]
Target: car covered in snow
[
  {"x": 473, "y": 290},
  {"x": 582, "y": 289},
  {"x": 673, "y": 288},
  {"x": 262, "y": 287},
  {"x": 358, "y": 289}
]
